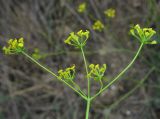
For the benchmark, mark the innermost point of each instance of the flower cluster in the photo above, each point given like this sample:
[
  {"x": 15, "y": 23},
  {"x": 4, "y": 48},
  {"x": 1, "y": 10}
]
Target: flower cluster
[
  {"x": 98, "y": 25},
  {"x": 144, "y": 35},
  {"x": 14, "y": 46},
  {"x": 78, "y": 39},
  {"x": 82, "y": 7},
  {"x": 110, "y": 13},
  {"x": 68, "y": 74},
  {"x": 96, "y": 72},
  {"x": 36, "y": 54}
]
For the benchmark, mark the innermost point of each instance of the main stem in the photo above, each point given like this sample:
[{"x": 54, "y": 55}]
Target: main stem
[
  {"x": 88, "y": 98},
  {"x": 88, "y": 108}
]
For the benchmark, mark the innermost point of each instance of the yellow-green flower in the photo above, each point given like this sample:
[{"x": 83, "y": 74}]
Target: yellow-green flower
[
  {"x": 36, "y": 54},
  {"x": 110, "y": 13},
  {"x": 144, "y": 35},
  {"x": 68, "y": 74},
  {"x": 82, "y": 7},
  {"x": 14, "y": 46},
  {"x": 98, "y": 25},
  {"x": 77, "y": 39},
  {"x": 96, "y": 72}
]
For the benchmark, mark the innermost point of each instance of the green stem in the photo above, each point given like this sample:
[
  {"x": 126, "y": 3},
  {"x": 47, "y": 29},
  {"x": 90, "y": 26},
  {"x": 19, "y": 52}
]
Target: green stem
[
  {"x": 88, "y": 99},
  {"x": 101, "y": 83},
  {"x": 84, "y": 58},
  {"x": 120, "y": 74},
  {"x": 88, "y": 108},
  {"x": 85, "y": 63},
  {"x": 49, "y": 71}
]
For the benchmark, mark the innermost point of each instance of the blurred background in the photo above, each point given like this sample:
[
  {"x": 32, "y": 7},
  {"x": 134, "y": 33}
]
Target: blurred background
[{"x": 27, "y": 92}]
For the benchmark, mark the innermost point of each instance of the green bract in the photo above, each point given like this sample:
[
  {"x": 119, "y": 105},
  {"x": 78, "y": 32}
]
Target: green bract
[
  {"x": 144, "y": 35},
  {"x": 14, "y": 46},
  {"x": 77, "y": 39},
  {"x": 96, "y": 72},
  {"x": 68, "y": 74}
]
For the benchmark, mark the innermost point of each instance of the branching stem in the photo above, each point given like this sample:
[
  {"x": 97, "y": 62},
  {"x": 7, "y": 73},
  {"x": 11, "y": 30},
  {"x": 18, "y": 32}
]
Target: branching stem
[
  {"x": 49, "y": 71},
  {"x": 120, "y": 74}
]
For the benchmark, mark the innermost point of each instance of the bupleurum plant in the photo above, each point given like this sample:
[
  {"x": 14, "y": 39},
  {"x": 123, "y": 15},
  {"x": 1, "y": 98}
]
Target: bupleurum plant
[{"x": 93, "y": 71}]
